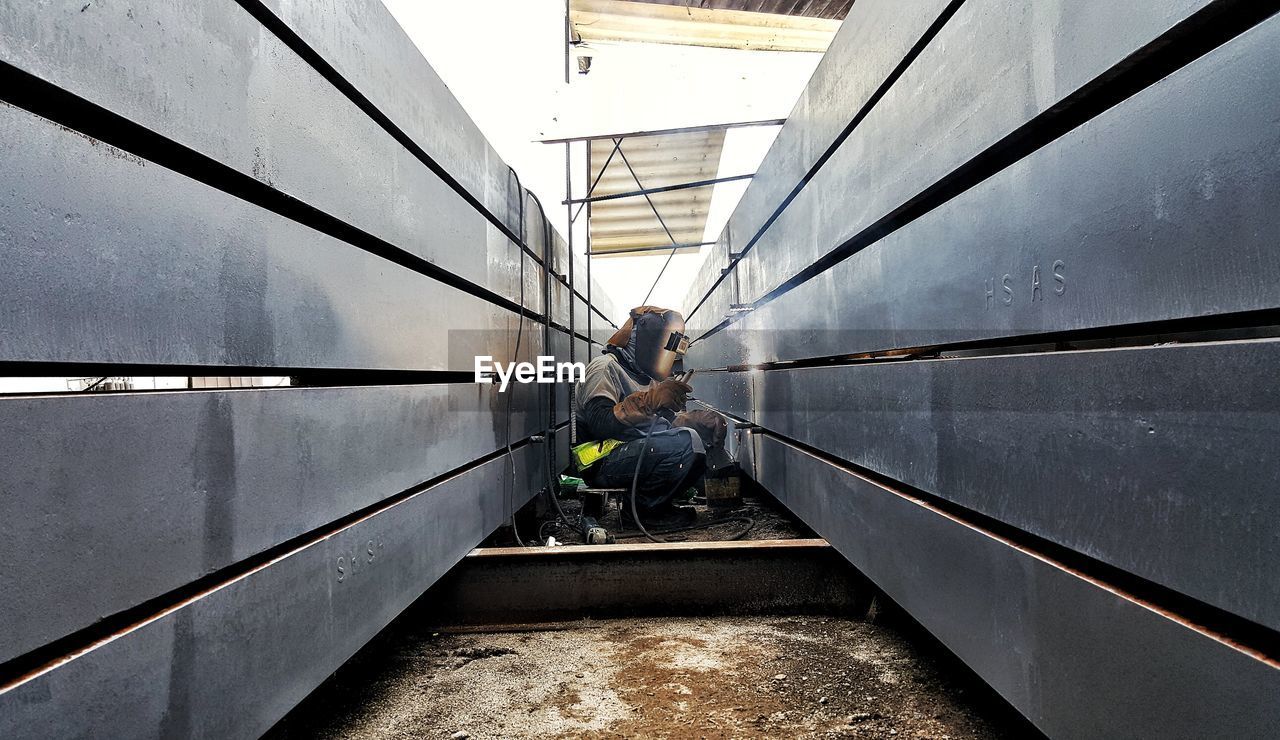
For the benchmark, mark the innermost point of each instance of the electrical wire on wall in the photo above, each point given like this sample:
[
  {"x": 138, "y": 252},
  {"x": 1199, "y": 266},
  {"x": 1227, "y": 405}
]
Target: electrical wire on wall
[
  {"x": 547, "y": 237},
  {"x": 510, "y": 494}
]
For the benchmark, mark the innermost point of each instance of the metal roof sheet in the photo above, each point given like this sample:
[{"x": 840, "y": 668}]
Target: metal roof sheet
[
  {"x": 657, "y": 161},
  {"x": 661, "y": 23}
]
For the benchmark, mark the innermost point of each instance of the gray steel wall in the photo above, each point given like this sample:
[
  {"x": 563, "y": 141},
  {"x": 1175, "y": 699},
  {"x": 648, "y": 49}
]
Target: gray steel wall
[
  {"x": 1012, "y": 351},
  {"x": 248, "y": 187}
]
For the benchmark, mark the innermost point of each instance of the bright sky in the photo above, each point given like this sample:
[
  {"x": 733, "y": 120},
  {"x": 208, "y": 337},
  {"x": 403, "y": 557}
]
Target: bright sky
[{"x": 504, "y": 60}]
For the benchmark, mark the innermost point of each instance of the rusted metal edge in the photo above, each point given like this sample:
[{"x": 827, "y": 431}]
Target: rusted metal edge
[
  {"x": 513, "y": 586},
  {"x": 650, "y": 548}
]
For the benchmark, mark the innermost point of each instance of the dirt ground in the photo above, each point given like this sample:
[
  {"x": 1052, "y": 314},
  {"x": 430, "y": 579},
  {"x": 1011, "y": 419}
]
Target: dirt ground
[{"x": 743, "y": 677}]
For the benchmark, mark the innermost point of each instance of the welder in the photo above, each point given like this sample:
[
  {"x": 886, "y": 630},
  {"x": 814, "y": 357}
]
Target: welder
[{"x": 631, "y": 411}]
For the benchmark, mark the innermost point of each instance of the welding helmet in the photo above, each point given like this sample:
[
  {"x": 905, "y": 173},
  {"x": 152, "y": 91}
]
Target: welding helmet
[{"x": 659, "y": 343}]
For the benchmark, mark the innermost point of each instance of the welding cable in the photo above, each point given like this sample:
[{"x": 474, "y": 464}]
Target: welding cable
[
  {"x": 635, "y": 514},
  {"x": 747, "y": 522},
  {"x": 515, "y": 357},
  {"x": 551, "y": 451},
  {"x": 635, "y": 480},
  {"x": 542, "y": 528},
  {"x": 550, "y": 456},
  {"x": 561, "y": 517}
]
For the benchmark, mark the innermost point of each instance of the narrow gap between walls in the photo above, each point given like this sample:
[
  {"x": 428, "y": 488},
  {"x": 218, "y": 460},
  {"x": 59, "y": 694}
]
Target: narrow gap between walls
[{"x": 284, "y": 378}]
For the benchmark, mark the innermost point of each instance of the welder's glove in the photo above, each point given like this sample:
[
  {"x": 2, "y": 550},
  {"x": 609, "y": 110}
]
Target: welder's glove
[
  {"x": 708, "y": 424},
  {"x": 669, "y": 395},
  {"x": 638, "y": 408},
  {"x": 633, "y": 410}
]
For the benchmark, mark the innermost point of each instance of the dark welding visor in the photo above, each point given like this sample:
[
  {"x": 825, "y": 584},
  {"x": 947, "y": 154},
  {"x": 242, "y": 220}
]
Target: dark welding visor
[{"x": 660, "y": 342}]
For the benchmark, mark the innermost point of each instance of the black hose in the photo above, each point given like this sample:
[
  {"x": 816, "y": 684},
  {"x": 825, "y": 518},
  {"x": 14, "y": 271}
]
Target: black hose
[
  {"x": 555, "y": 499},
  {"x": 551, "y": 487},
  {"x": 635, "y": 513},
  {"x": 746, "y": 520},
  {"x": 635, "y": 481},
  {"x": 542, "y": 537},
  {"x": 550, "y": 456},
  {"x": 546, "y": 260},
  {"x": 515, "y": 357}
]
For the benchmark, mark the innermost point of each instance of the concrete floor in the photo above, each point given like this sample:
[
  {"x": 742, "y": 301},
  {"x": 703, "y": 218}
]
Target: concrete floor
[{"x": 726, "y": 677}]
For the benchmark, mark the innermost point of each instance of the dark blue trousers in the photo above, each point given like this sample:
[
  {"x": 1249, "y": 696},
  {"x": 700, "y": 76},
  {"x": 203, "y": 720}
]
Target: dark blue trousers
[{"x": 670, "y": 465}]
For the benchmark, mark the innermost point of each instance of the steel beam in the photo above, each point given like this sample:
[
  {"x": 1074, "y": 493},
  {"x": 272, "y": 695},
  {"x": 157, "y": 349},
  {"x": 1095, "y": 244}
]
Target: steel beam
[
  {"x": 535, "y": 237},
  {"x": 350, "y": 169},
  {"x": 560, "y": 314},
  {"x": 964, "y": 93},
  {"x": 746, "y": 452},
  {"x": 1079, "y": 657},
  {"x": 224, "y": 87},
  {"x": 1158, "y": 209},
  {"x": 729, "y": 392},
  {"x": 716, "y": 265},
  {"x": 111, "y": 500},
  {"x": 661, "y": 189},
  {"x": 215, "y": 238},
  {"x": 560, "y": 304},
  {"x": 367, "y": 49},
  {"x": 584, "y": 353},
  {"x": 502, "y": 586},
  {"x": 607, "y": 315},
  {"x": 338, "y": 36},
  {"x": 1158, "y": 461},
  {"x": 865, "y": 52},
  {"x": 667, "y": 131},
  {"x": 114, "y": 260},
  {"x": 231, "y": 661},
  {"x": 651, "y": 248}
]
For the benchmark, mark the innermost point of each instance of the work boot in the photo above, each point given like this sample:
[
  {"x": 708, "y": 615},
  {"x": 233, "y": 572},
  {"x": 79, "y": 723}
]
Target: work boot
[{"x": 662, "y": 517}]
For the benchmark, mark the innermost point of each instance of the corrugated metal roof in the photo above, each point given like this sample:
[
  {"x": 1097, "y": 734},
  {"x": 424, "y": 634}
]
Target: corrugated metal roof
[
  {"x": 658, "y": 161},
  {"x": 834, "y": 9},
  {"x": 662, "y": 23}
]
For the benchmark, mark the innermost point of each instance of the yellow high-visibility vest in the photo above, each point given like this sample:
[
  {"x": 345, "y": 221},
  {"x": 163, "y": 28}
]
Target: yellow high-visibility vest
[{"x": 587, "y": 453}]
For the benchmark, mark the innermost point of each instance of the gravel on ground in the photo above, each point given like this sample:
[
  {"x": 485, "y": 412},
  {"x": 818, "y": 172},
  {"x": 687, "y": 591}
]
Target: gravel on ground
[{"x": 745, "y": 677}]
